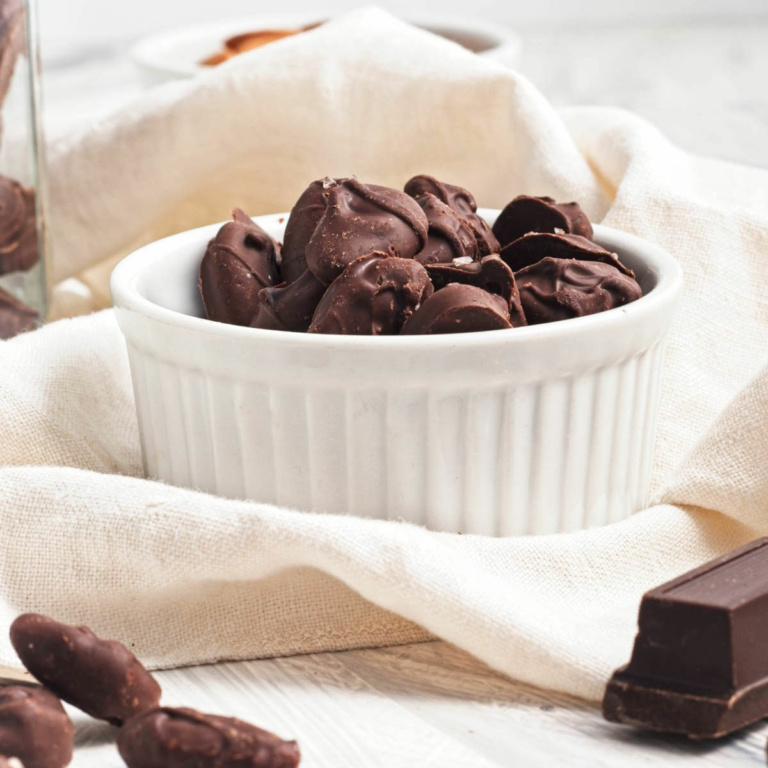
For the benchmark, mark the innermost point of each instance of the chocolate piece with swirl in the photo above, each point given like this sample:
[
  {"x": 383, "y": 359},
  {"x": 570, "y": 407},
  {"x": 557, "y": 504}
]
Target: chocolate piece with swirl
[
  {"x": 289, "y": 307},
  {"x": 360, "y": 219},
  {"x": 462, "y": 202},
  {"x": 238, "y": 263},
  {"x": 559, "y": 289},
  {"x": 540, "y": 214},
  {"x": 101, "y": 677},
  {"x": 374, "y": 296},
  {"x": 15, "y": 316},
  {"x": 34, "y": 728},
  {"x": 18, "y": 227},
  {"x": 459, "y": 308},
  {"x": 450, "y": 237},
  {"x": 535, "y": 246},
  {"x": 491, "y": 274},
  {"x": 185, "y": 738}
]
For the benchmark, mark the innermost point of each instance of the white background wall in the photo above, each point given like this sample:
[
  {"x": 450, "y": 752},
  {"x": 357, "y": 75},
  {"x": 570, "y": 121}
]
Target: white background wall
[{"x": 91, "y": 23}]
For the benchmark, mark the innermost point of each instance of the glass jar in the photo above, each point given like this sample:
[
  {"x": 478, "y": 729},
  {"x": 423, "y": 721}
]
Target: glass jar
[{"x": 23, "y": 252}]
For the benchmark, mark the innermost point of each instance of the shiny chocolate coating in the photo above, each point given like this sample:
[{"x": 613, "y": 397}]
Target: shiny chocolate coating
[
  {"x": 10, "y": 762},
  {"x": 302, "y": 222},
  {"x": 18, "y": 227},
  {"x": 559, "y": 289},
  {"x": 460, "y": 200},
  {"x": 360, "y": 219},
  {"x": 100, "y": 677},
  {"x": 540, "y": 214},
  {"x": 15, "y": 316},
  {"x": 238, "y": 263},
  {"x": 535, "y": 246},
  {"x": 184, "y": 738},
  {"x": 459, "y": 308},
  {"x": 374, "y": 296},
  {"x": 34, "y": 728},
  {"x": 449, "y": 238},
  {"x": 491, "y": 274},
  {"x": 289, "y": 307}
]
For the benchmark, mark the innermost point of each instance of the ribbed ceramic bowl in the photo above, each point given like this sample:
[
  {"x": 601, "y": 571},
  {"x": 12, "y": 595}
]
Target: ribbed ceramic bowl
[{"x": 532, "y": 430}]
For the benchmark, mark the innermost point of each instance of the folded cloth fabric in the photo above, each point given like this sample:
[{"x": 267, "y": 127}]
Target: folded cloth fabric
[{"x": 185, "y": 577}]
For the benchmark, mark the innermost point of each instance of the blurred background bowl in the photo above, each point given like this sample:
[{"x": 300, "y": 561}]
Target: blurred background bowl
[{"x": 177, "y": 54}]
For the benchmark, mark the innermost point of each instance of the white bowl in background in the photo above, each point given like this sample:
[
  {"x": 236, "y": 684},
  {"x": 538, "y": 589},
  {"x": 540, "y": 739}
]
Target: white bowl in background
[
  {"x": 531, "y": 430},
  {"x": 176, "y": 55}
]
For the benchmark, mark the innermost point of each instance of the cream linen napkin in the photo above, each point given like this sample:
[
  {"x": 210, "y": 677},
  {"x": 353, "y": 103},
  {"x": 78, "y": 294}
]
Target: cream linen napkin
[{"x": 186, "y": 577}]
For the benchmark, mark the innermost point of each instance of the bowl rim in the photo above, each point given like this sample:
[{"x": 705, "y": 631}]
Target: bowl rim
[
  {"x": 664, "y": 295},
  {"x": 148, "y": 52}
]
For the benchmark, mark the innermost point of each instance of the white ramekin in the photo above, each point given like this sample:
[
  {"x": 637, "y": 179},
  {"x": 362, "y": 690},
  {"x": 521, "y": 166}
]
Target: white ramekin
[
  {"x": 176, "y": 54},
  {"x": 533, "y": 430}
]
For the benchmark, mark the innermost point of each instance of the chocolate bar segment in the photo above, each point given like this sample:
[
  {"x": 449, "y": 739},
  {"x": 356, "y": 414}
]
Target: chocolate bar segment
[{"x": 700, "y": 661}]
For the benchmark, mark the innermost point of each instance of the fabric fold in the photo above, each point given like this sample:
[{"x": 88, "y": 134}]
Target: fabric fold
[{"x": 188, "y": 578}]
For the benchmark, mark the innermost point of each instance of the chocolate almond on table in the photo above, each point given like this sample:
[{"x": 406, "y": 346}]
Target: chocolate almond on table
[
  {"x": 459, "y": 308},
  {"x": 100, "y": 677},
  {"x": 460, "y": 200},
  {"x": 238, "y": 263},
  {"x": 535, "y": 246},
  {"x": 559, "y": 289},
  {"x": 700, "y": 661},
  {"x": 185, "y": 738},
  {"x": 360, "y": 219},
  {"x": 540, "y": 214},
  {"x": 374, "y": 296},
  {"x": 449, "y": 237},
  {"x": 491, "y": 274},
  {"x": 34, "y": 728}
]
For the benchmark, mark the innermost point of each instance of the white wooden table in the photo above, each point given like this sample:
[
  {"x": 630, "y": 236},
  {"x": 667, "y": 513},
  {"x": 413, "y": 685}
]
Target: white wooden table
[
  {"x": 417, "y": 706},
  {"x": 431, "y": 705}
]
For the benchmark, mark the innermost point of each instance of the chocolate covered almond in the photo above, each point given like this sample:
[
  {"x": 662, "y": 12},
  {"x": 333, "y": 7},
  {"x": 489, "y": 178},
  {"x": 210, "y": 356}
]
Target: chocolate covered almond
[
  {"x": 449, "y": 236},
  {"x": 289, "y": 307},
  {"x": 15, "y": 316},
  {"x": 535, "y": 246},
  {"x": 559, "y": 289},
  {"x": 360, "y": 219},
  {"x": 461, "y": 201},
  {"x": 18, "y": 227},
  {"x": 459, "y": 308},
  {"x": 302, "y": 222},
  {"x": 238, "y": 263},
  {"x": 100, "y": 677},
  {"x": 540, "y": 214},
  {"x": 34, "y": 728},
  {"x": 374, "y": 296},
  {"x": 491, "y": 274},
  {"x": 185, "y": 738}
]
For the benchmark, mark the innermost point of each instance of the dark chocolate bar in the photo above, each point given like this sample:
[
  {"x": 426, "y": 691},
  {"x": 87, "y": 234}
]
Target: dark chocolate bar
[{"x": 700, "y": 661}]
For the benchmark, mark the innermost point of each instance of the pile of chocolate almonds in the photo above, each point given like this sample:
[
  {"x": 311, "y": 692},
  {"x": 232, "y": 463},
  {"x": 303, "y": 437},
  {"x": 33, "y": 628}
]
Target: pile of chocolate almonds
[
  {"x": 370, "y": 260},
  {"x": 106, "y": 681}
]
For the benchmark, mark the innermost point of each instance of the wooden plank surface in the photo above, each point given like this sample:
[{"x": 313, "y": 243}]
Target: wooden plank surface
[{"x": 416, "y": 706}]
